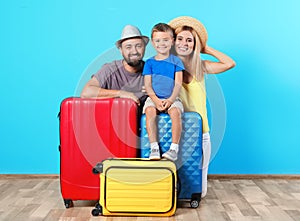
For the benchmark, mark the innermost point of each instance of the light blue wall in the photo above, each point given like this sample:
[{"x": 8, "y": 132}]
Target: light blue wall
[{"x": 47, "y": 46}]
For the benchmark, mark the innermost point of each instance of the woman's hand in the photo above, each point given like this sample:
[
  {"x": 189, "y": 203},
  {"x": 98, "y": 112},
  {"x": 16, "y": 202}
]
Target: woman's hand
[
  {"x": 224, "y": 62},
  {"x": 207, "y": 50}
]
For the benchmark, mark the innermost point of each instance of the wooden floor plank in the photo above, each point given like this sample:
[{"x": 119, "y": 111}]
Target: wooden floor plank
[{"x": 227, "y": 199}]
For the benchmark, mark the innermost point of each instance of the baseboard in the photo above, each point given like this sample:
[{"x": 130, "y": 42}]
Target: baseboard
[
  {"x": 210, "y": 176},
  {"x": 29, "y": 176},
  {"x": 254, "y": 176}
]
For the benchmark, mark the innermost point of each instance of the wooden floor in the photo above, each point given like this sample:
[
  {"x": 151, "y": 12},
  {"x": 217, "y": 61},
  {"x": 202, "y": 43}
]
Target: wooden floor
[{"x": 227, "y": 199}]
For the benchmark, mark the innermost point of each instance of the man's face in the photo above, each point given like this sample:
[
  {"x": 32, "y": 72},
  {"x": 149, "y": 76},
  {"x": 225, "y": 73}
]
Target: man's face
[{"x": 133, "y": 51}]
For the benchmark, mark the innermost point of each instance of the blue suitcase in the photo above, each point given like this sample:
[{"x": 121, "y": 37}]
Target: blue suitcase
[{"x": 189, "y": 163}]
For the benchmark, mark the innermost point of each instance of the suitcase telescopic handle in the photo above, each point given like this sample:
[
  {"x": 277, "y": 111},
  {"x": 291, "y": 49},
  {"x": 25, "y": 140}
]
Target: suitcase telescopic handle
[{"x": 98, "y": 168}]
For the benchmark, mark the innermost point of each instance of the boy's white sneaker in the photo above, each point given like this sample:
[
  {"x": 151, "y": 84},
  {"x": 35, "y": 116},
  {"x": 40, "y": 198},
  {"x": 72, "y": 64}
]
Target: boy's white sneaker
[
  {"x": 154, "y": 154},
  {"x": 170, "y": 155}
]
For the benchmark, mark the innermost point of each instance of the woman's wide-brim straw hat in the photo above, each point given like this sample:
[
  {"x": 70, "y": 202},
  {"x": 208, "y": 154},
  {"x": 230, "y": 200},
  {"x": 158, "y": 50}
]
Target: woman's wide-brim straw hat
[{"x": 193, "y": 23}]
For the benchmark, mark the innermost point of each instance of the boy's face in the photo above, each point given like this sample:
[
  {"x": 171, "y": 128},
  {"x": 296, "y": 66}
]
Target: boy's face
[{"x": 162, "y": 42}]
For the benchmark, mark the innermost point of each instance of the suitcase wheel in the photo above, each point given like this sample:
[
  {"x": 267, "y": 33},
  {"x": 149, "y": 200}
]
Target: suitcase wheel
[
  {"x": 194, "y": 203},
  {"x": 68, "y": 203},
  {"x": 97, "y": 210},
  {"x": 98, "y": 168},
  {"x": 195, "y": 200}
]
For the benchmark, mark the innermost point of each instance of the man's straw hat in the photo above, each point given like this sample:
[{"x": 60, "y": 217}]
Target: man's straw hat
[{"x": 193, "y": 23}]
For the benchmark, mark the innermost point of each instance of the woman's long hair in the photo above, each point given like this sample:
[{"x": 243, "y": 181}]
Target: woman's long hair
[{"x": 195, "y": 59}]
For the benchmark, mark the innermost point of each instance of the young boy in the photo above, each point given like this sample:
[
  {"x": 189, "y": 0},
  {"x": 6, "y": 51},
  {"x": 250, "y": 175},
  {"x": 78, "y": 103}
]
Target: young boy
[{"x": 163, "y": 79}]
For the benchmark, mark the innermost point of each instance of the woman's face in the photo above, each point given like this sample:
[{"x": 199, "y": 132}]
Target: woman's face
[{"x": 184, "y": 43}]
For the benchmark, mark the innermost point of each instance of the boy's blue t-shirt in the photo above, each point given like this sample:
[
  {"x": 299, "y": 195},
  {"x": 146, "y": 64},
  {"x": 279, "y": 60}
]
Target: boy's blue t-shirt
[{"x": 163, "y": 74}]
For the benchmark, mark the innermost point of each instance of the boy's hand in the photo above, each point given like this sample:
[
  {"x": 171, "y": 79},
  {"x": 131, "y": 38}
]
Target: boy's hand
[
  {"x": 167, "y": 103},
  {"x": 159, "y": 105}
]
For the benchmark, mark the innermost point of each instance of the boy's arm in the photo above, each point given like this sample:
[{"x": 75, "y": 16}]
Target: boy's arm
[
  {"x": 151, "y": 93},
  {"x": 177, "y": 86},
  {"x": 148, "y": 87}
]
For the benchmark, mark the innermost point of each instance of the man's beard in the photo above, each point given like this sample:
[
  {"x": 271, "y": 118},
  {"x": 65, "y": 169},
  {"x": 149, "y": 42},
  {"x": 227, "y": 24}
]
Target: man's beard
[{"x": 133, "y": 63}]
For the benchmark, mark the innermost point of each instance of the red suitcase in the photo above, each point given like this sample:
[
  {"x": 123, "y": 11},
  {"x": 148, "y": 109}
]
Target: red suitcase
[{"x": 92, "y": 130}]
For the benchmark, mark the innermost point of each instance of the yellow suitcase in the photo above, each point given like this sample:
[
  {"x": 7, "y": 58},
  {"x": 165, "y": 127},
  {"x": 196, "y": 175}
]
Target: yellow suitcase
[{"x": 136, "y": 187}]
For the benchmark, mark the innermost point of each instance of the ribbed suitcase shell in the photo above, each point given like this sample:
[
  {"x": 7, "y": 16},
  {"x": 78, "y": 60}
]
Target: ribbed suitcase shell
[
  {"x": 189, "y": 163},
  {"x": 92, "y": 130},
  {"x": 135, "y": 187}
]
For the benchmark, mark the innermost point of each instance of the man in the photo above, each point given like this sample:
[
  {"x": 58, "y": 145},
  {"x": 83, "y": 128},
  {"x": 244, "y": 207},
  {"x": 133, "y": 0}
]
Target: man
[{"x": 121, "y": 78}]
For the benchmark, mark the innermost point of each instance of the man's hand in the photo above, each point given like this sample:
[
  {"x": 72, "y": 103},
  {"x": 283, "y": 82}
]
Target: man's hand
[
  {"x": 144, "y": 89},
  {"x": 126, "y": 94}
]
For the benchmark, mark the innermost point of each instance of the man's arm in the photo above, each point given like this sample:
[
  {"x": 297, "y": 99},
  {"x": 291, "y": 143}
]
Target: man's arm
[{"x": 93, "y": 90}]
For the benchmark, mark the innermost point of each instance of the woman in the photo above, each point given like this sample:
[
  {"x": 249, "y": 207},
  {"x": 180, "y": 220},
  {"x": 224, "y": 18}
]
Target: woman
[{"x": 191, "y": 38}]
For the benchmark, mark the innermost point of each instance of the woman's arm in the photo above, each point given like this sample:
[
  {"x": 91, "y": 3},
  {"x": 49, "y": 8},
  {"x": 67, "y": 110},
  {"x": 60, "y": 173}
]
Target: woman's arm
[{"x": 225, "y": 62}]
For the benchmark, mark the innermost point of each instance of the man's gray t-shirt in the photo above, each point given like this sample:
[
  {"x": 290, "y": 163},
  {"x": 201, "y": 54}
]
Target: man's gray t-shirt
[{"x": 114, "y": 76}]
